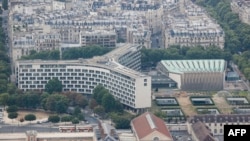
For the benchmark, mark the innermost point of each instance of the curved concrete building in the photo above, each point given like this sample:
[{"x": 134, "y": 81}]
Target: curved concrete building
[
  {"x": 196, "y": 74},
  {"x": 132, "y": 88}
]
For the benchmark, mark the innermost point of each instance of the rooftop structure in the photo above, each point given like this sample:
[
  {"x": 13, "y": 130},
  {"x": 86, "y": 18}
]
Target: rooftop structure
[
  {"x": 201, "y": 133},
  {"x": 216, "y": 122},
  {"x": 186, "y": 66},
  {"x": 149, "y": 127},
  {"x": 195, "y": 74},
  {"x": 131, "y": 87},
  {"x": 35, "y": 136},
  {"x": 192, "y": 27}
]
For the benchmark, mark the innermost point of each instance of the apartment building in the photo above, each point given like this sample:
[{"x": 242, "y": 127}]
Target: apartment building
[
  {"x": 127, "y": 56},
  {"x": 49, "y": 41},
  {"x": 242, "y": 8},
  {"x": 200, "y": 132},
  {"x": 139, "y": 34},
  {"x": 23, "y": 43},
  {"x": 216, "y": 123},
  {"x": 58, "y": 5},
  {"x": 70, "y": 35},
  {"x": 154, "y": 19},
  {"x": 192, "y": 27},
  {"x": 98, "y": 37},
  {"x": 132, "y": 88}
]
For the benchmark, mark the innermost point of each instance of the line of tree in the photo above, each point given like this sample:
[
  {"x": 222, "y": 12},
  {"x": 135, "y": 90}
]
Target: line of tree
[
  {"x": 56, "y": 102},
  {"x": 68, "y": 54},
  {"x": 12, "y": 112},
  {"x": 237, "y": 34},
  {"x": 150, "y": 57},
  {"x": 84, "y": 52},
  {"x": 105, "y": 105},
  {"x": 104, "y": 102},
  {"x": 243, "y": 63},
  {"x": 45, "y": 55},
  {"x": 4, "y": 62},
  {"x": 75, "y": 118}
]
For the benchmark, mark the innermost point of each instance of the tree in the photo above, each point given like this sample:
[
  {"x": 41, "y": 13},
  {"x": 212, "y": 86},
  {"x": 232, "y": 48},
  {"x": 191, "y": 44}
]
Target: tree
[
  {"x": 108, "y": 102},
  {"x": 160, "y": 114},
  {"x": 66, "y": 118},
  {"x": 30, "y": 117},
  {"x": 11, "y": 88},
  {"x": 81, "y": 101},
  {"x": 75, "y": 121},
  {"x": 77, "y": 110},
  {"x": 12, "y": 100},
  {"x": 84, "y": 52},
  {"x": 100, "y": 95},
  {"x": 99, "y": 110},
  {"x": 29, "y": 100},
  {"x": 57, "y": 103},
  {"x": 54, "y": 85},
  {"x": 92, "y": 104},
  {"x": 118, "y": 106},
  {"x": 44, "y": 55},
  {"x": 4, "y": 99},
  {"x": 5, "y": 4},
  {"x": 12, "y": 109},
  {"x": 12, "y": 115},
  {"x": 54, "y": 118},
  {"x": 122, "y": 123}
]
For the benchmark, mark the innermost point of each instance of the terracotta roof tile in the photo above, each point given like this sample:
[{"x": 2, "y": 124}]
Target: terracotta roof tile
[{"x": 148, "y": 123}]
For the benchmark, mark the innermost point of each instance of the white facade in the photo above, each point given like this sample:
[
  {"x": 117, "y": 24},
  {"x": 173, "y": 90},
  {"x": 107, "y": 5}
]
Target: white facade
[
  {"x": 132, "y": 88},
  {"x": 191, "y": 26},
  {"x": 23, "y": 43},
  {"x": 154, "y": 19},
  {"x": 57, "y": 5},
  {"x": 176, "y": 78},
  {"x": 139, "y": 35},
  {"x": 242, "y": 7},
  {"x": 216, "y": 123},
  {"x": 102, "y": 38},
  {"x": 195, "y": 74}
]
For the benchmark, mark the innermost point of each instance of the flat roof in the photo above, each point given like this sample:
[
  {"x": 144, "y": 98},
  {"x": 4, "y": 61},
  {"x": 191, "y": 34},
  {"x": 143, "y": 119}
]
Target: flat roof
[
  {"x": 66, "y": 135},
  {"x": 161, "y": 79},
  {"x": 21, "y": 136},
  {"x": 108, "y": 61},
  {"x": 189, "y": 66},
  {"x": 232, "y": 74}
]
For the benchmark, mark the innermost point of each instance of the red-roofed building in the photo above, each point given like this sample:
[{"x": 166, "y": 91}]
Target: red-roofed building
[{"x": 148, "y": 127}]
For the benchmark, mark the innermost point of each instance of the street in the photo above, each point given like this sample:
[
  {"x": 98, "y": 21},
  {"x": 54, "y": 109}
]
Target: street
[{"x": 242, "y": 77}]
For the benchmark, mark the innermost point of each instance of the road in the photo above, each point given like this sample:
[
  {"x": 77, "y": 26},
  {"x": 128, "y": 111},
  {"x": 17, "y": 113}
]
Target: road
[
  {"x": 156, "y": 41},
  {"x": 244, "y": 81}
]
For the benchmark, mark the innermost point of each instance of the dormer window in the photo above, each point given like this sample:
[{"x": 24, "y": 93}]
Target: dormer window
[{"x": 156, "y": 139}]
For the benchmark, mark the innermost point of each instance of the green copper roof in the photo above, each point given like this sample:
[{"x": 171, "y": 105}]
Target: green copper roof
[{"x": 185, "y": 66}]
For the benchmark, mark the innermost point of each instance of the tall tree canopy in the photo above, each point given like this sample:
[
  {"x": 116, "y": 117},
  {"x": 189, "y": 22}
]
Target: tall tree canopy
[{"x": 54, "y": 85}]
